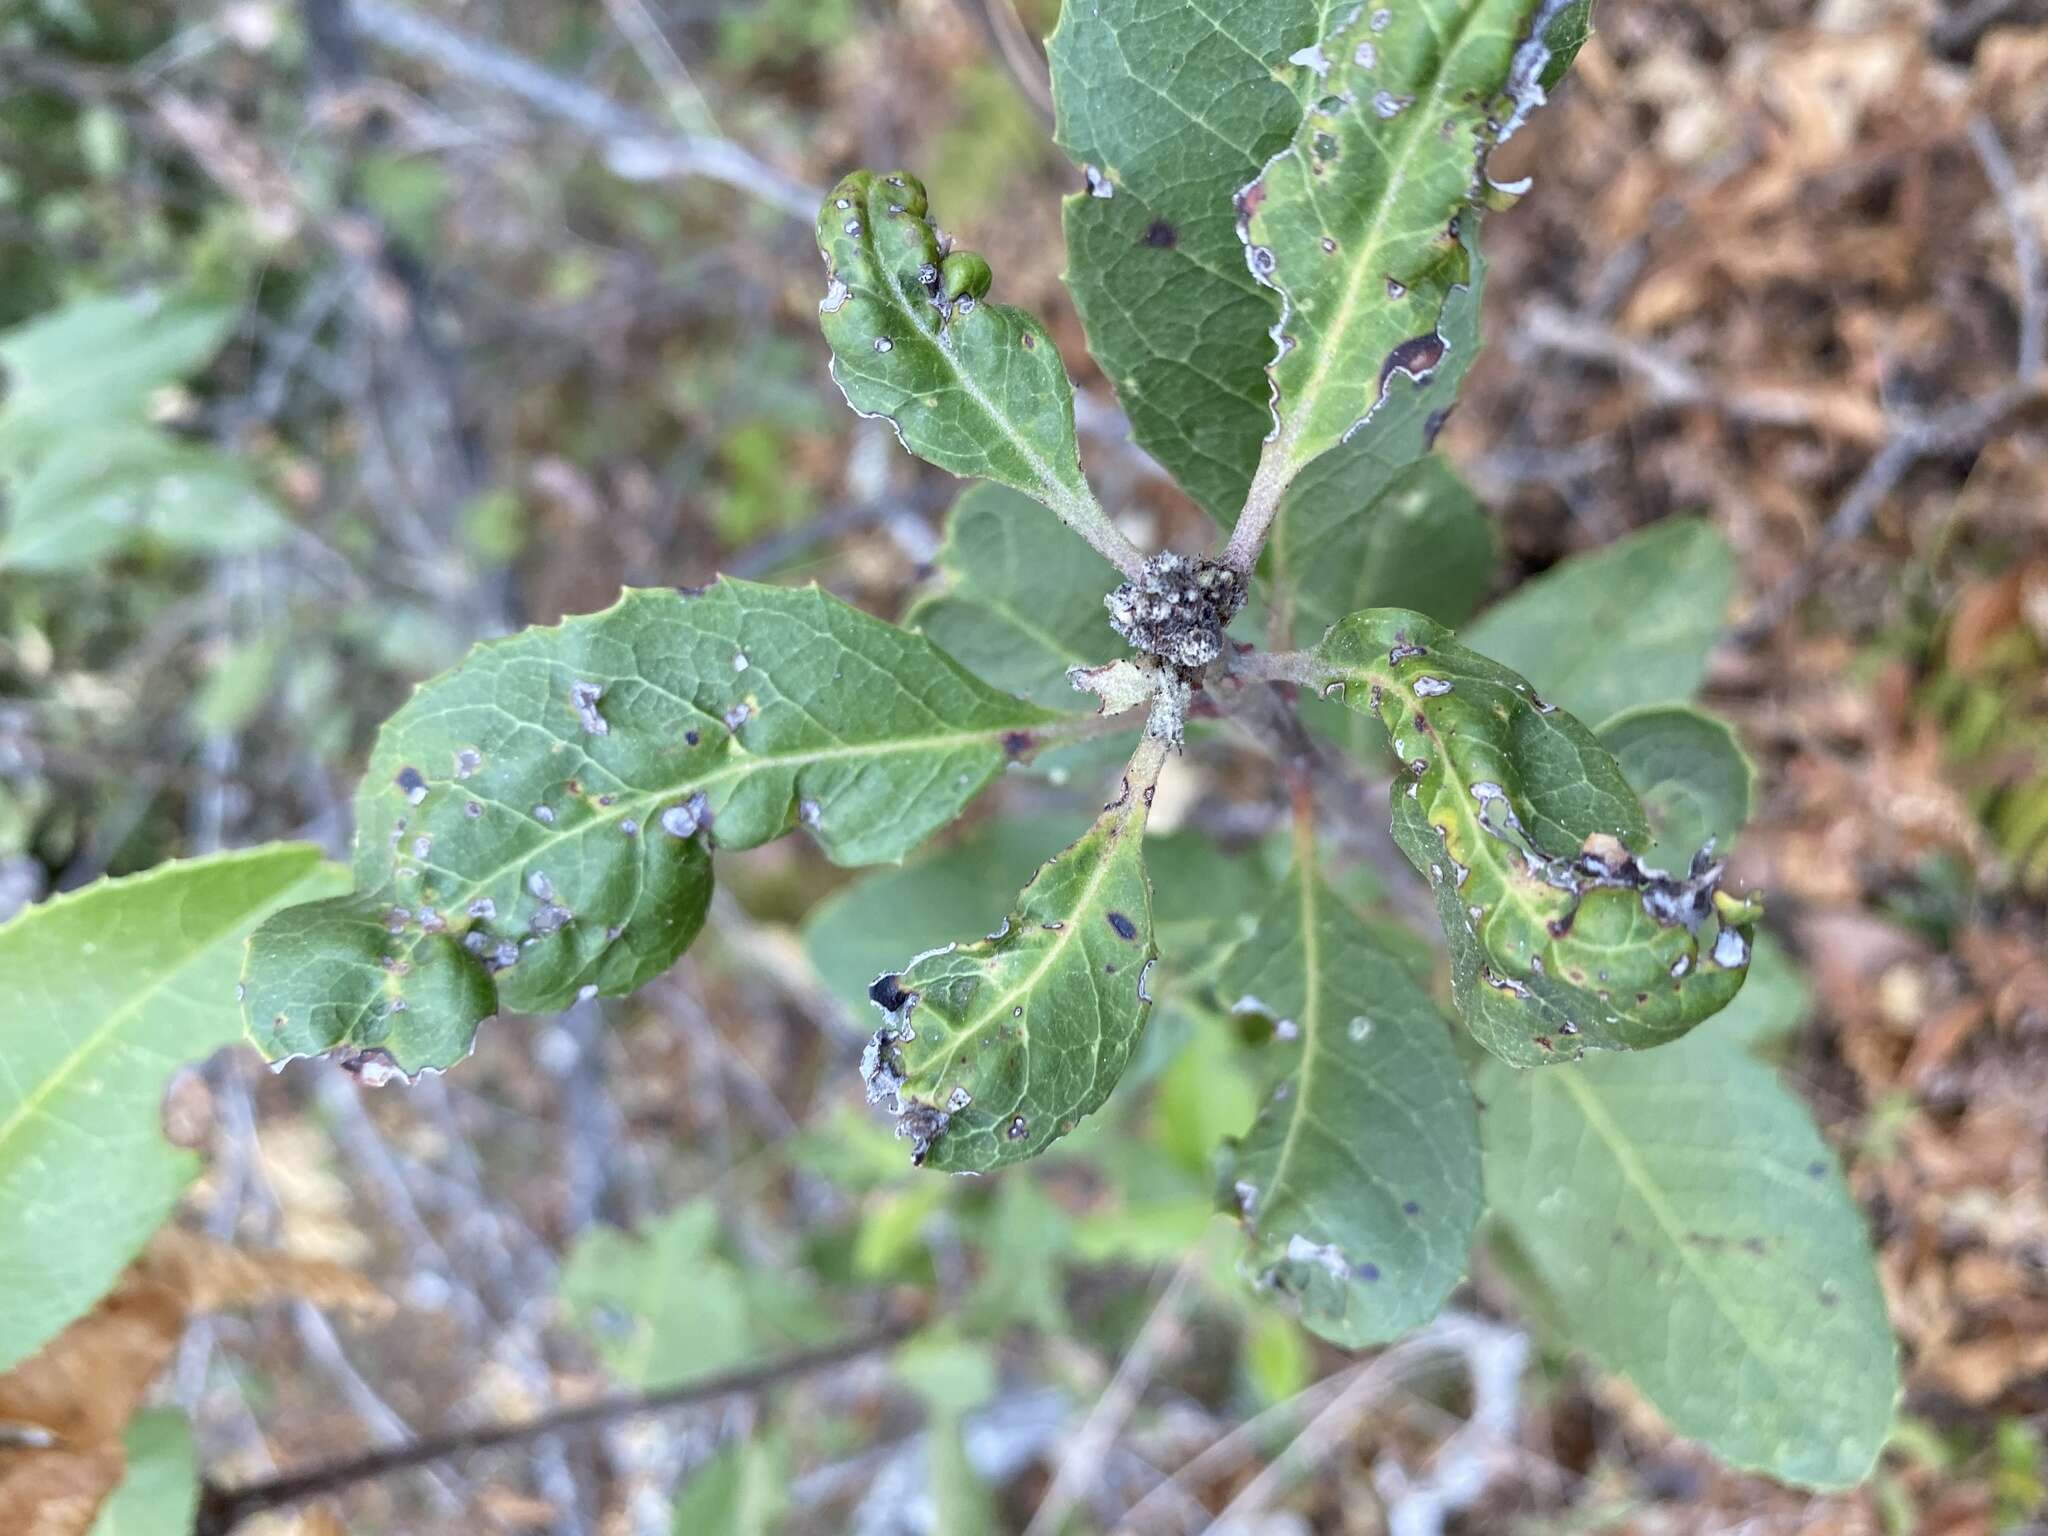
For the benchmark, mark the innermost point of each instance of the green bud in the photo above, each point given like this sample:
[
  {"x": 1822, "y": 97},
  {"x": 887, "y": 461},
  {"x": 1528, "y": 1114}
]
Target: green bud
[
  {"x": 905, "y": 191},
  {"x": 964, "y": 275}
]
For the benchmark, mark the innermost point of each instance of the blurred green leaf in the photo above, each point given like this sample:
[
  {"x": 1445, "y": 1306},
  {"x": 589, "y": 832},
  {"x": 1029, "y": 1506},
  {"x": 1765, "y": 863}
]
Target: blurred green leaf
[
  {"x": 759, "y": 494},
  {"x": 1277, "y": 1360},
  {"x": 107, "y": 487},
  {"x": 1018, "y": 599},
  {"x": 158, "y": 1494},
  {"x": 663, "y": 1307},
  {"x": 1206, "y": 1094},
  {"x": 104, "y": 994},
  {"x": 536, "y": 823},
  {"x": 743, "y": 1490},
  {"x": 1691, "y": 774},
  {"x": 1623, "y": 626},
  {"x": 408, "y": 192},
  {"x": 1772, "y": 1004},
  {"x": 952, "y": 1374},
  {"x": 95, "y": 362},
  {"x": 1684, "y": 1212},
  {"x": 1358, "y": 1184},
  {"x": 236, "y": 688},
  {"x": 494, "y": 527},
  {"x": 1024, "y": 1238},
  {"x": 1204, "y": 901},
  {"x": 892, "y": 1228}
]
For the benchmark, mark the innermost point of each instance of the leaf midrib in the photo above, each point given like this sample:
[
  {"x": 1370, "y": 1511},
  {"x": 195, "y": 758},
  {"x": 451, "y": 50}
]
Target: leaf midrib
[
  {"x": 121, "y": 1013},
  {"x": 1650, "y": 1192},
  {"x": 1053, "y": 491},
  {"x": 1052, "y": 953},
  {"x": 631, "y": 798},
  {"x": 1311, "y": 1024}
]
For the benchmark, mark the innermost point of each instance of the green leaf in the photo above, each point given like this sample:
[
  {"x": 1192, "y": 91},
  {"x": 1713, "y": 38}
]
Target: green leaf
[
  {"x": 536, "y": 823},
  {"x": 743, "y": 1490},
  {"x": 1561, "y": 940},
  {"x": 159, "y": 1492},
  {"x": 1019, "y": 600},
  {"x": 952, "y": 1374},
  {"x": 973, "y": 387},
  {"x": 1175, "y": 108},
  {"x": 1277, "y": 1359},
  {"x": 1423, "y": 542},
  {"x": 664, "y": 1307},
  {"x": 993, "y": 1049},
  {"x": 1687, "y": 1216},
  {"x": 1204, "y": 900},
  {"x": 98, "y": 361},
  {"x": 872, "y": 922},
  {"x": 1623, "y": 626},
  {"x": 106, "y": 489},
  {"x": 104, "y": 993},
  {"x": 1691, "y": 774},
  {"x": 1024, "y": 1238},
  {"x": 1205, "y": 1094},
  {"x": 1359, "y": 223},
  {"x": 1358, "y": 1184}
]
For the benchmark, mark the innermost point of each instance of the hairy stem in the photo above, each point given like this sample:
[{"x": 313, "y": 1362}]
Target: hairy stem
[
  {"x": 1084, "y": 514},
  {"x": 222, "y": 1509},
  {"x": 1276, "y": 666},
  {"x": 1261, "y": 506}
]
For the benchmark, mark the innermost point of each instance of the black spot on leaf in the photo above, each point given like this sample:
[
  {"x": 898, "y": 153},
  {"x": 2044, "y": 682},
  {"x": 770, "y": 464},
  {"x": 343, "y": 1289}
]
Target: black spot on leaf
[
  {"x": 1125, "y": 928},
  {"x": 887, "y": 993},
  {"x": 1417, "y": 357},
  {"x": 1162, "y": 235}
]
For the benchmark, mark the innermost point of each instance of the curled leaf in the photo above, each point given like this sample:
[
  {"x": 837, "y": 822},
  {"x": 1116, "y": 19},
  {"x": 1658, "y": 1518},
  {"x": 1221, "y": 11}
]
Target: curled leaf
[
  {"x": 993, "y": 1049},
  {"x": 973, "y": 387},
  {"x": 536, "y": 824},
  {"x": 1561, "y": 939}
]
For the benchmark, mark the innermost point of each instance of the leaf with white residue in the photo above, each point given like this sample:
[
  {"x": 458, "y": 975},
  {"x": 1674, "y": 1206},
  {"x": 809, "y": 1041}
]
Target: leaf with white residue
[
  {"x": 1360, "y": 224},
  {"x": 993, "y": 1049},
  {"x": 1561, "y": 939},
  {"x": 536, "y": 824},
  {"x": 1358, "y": 1184},
  {"x": 971, "y": 386},
  {"x": 1171, "y": 108}
]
